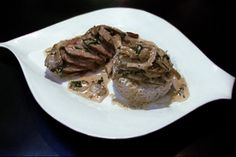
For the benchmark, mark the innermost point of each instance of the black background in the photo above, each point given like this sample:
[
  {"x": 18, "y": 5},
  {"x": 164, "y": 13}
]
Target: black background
[{"x": 25, "y": 129}]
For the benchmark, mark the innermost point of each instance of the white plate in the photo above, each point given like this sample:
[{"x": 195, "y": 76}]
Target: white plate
[{"x": 205, "y": 80}]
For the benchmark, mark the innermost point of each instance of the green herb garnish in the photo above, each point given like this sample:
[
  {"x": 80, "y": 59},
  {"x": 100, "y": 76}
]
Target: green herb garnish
[
  {"x": 75, "y": 84},
  {"x": 181, "y": 92},
  {"x": 138, "y": 49},
  {"x": 125, "y": 73},
  {"x": 166, "y": 57},
  {"x": 87, "y": 42},
  {"x": 78, "y": 47},
  {"x": 100, "y": 80},
  {"x": 59, "y": 70}
]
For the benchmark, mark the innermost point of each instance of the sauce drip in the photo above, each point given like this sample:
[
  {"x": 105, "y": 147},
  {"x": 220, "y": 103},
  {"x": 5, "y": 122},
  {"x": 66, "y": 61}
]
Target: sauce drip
[
  {"x": 181, "y": 91},
  {"x": 93, "y": 85}
]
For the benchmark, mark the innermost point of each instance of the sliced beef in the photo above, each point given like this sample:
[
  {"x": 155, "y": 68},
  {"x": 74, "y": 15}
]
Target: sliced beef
[
  {"x": 101, "y": 50},
  {"x": 70, "y": 49},
  {"x": 87, "y": 52},
  {"x": 88, "y": 64},
  {"x": 106, "y": 39},
  {"x": 69, "y": 69}
]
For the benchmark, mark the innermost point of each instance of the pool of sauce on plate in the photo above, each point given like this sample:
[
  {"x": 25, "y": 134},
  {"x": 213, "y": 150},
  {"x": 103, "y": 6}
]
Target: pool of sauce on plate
[{"x": 92, "y": 85}]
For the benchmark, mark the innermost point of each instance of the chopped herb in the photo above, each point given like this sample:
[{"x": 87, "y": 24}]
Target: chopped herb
[
  {"x": 90, "y": 41},
  {"x": 125, "y": 73},
  {"x": 181, "y": 92},
  {"x": 112, "y": 33},
  {"x": 100, "y": 80},
  {"x": 168, "y": 74},
  {"x": 78, "y": 47},
  {"x": 122, "y": 35},
  {"x": 166, "y": 57},
  {"x": 119, "y": 72},
  {"x": 58, "y": 70},
  {"x": 75, "y": 84},
  {"x": 138, "y": 49}
]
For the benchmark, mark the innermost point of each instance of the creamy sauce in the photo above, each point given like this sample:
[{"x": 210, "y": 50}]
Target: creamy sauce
[
  {"x": 182, "y": 92},
  {"x": 141, "y": 71},
  {"x": 93, "y": 85}
]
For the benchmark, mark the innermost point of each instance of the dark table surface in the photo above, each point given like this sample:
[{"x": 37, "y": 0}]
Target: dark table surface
[{"x": 25, "y": 129}]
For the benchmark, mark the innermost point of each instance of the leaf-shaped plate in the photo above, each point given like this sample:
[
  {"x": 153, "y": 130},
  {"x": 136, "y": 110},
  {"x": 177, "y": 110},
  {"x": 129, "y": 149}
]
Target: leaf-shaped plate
[{"x": 205, "y": 80}]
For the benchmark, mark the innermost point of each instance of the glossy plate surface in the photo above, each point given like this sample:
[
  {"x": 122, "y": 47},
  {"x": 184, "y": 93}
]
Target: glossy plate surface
[{"x": 205, "y": 80}]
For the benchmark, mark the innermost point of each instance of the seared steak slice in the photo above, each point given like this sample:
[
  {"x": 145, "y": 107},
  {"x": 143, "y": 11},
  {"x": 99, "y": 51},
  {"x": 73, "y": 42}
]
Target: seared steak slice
[
  {"x": 69, "y": 69},
  {"x": 87, "y": 52},
  {"x": 89, "y": 64},
  {"x": 101, "y": 50},
  {"x": 70, "y": 49}
]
